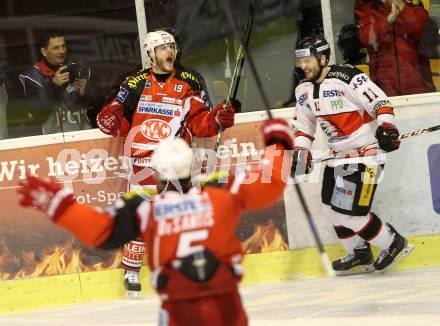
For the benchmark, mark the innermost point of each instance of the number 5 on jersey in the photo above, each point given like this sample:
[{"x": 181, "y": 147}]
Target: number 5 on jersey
[{"x": 186, "y": 240}]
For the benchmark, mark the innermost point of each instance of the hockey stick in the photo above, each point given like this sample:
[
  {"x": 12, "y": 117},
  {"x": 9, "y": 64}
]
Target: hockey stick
[
  {"x": 323, "y": 255},
  {"x": 239, "y": 63},
  {"x": 369, "y": 150}
]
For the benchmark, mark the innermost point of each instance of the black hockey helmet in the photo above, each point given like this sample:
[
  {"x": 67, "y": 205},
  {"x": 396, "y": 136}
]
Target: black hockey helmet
[
  {"x": 350, "y": 45},
  {"x": 313, "y": 45}
]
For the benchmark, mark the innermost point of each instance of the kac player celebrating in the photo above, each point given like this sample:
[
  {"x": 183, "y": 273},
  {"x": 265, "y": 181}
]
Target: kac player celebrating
[
  {"x": 155, "y": 105},
  {"x": 352, "y": 112}
]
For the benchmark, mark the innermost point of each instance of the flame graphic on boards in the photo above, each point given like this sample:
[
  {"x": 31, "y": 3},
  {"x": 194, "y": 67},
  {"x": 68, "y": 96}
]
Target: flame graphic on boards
[
  {"x": 266, "y": 238},
  {"x": 57, "y": 261}
]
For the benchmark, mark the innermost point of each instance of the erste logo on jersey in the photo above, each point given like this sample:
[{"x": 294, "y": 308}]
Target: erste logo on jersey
[
  {"x": 347, "y": 192},
  {"x": 333, "y": 93},
  {"x": 185, "y": 214},
  {"x": 155, "y": 129}
]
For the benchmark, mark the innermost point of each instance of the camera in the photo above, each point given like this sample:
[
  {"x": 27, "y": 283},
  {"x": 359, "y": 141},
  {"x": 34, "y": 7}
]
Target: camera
[{"x": 77, "y": 71}]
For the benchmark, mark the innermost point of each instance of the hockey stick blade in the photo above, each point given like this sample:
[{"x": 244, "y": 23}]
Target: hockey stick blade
[{"x": 371, "y": 149}]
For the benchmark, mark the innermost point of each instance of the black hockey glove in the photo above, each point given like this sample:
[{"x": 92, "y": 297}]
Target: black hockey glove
[{"x": 388, "y": 137}]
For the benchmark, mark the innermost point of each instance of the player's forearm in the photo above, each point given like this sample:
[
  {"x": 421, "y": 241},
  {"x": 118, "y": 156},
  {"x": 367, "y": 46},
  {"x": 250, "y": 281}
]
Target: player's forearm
[
  {"x": 200, "y": 125},
  {"x": 268, "y": 186},
  {"x": 87, "y": 223}
]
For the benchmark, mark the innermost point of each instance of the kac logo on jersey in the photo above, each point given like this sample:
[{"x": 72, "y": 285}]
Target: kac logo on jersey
[
  {"x": 155, "y": 129},
  {"x": 122, "y": 94}
]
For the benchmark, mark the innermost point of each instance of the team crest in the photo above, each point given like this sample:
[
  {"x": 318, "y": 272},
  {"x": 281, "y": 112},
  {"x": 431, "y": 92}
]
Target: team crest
[{"x": 155, "y": 129}]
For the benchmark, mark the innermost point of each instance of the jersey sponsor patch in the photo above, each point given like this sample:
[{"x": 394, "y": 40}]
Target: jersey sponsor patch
[
  {"x": 343, "y": 197},
  {"x": 183, "y": 214},
  {"x": 143, "y": 161},
  {"x": 337, "y": 104},
  {"x": 146, "y": 98},
  {"x": 434, "y": 175},
  {"x": 302, "y": 98},
  {"x": 368, "y": 184},
  {"x": 186, "y": 205},
  {"x": 122, "y": 94},
  {"x": 381, "y": 104},
  {"x": 338, "y": 75},
  {"x": 168, "y": 110},
  {"x": 333, "y": 93},
  {"x": 171, "y": 100},
  {"x": 133, "y": 82}
]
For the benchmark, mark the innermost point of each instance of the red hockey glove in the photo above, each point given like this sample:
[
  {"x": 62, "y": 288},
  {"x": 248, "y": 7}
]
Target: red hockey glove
[
  {"x": 388, "y": 137},
  {"x": 301, "y": 161},
  {"x": 110, "y": 117},
  {"x": 47, "y": 196},
  {"x": 224, "y": 114},
  {"x": 277, "y": 131}
]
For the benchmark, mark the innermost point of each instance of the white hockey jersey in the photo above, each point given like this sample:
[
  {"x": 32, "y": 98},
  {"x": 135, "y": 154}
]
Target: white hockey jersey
[{"x": 347, "y": 105}]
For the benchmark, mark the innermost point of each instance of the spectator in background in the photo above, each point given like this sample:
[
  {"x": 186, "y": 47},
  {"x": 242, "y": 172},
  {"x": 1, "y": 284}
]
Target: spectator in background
[
  {"x": 3, "y": 102},
  {"x": 351, "y": 48},
  {"x": 56, "y": 91},
  {"x": 391, "y": 31}
]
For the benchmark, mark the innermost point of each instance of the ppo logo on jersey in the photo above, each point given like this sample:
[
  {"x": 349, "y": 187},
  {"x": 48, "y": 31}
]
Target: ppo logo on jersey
[
  {"x": 155, "y": 129},
  {"x": 122, "y": 94}
]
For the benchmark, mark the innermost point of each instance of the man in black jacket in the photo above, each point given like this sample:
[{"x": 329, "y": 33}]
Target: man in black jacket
[{"x": 56, "y": 90}]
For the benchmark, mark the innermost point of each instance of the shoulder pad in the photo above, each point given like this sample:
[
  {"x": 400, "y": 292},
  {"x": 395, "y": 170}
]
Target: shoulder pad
[
  {"x": 133, "y": 80},
  {"x": 344, "y": 73},
  {"x": 143, "y": 192},
  {"x": 303, "y": 84},
  {"x": 216, "y": 179},
  {"x": 189, "y": 76}
]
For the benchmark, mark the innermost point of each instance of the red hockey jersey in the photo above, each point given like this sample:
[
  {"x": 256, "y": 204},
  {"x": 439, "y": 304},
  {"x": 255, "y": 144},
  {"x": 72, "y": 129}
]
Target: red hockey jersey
[{"x": 175, "y": 225}]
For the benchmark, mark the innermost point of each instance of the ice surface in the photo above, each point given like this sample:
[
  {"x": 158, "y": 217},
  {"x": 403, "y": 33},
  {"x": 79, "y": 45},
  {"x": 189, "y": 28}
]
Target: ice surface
[{"x": 396, "y": 298}]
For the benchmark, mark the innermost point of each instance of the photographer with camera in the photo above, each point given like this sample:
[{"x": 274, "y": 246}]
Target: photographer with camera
[{"x": 56, "y": 91}]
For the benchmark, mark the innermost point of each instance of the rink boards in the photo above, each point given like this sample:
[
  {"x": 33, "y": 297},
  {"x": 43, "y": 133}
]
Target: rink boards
[{"x": 406, "y": 198}]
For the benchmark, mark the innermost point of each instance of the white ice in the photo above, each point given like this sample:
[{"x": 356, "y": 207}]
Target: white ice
[{"x": 397, "y": 298}]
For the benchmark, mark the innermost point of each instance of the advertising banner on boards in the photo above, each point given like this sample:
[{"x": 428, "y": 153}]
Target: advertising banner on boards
[{"x": 96, "y": 170}]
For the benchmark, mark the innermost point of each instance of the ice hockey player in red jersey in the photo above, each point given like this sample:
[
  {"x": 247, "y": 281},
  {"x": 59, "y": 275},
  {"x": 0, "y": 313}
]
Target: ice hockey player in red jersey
[
  {"x": 155, "y": 105},
  {"x": 193, "y": 251},
  {"x": 352, "y": 112}
]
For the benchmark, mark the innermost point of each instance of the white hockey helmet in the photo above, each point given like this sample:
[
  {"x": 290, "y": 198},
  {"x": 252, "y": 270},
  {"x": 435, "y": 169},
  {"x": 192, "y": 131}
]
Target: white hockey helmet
[
  {"x": 157, "y": 38},
  {"x": 173, "y": 160}
]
